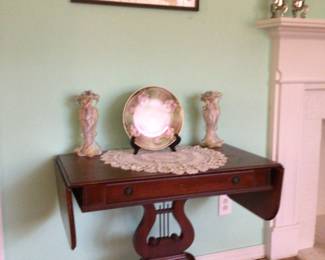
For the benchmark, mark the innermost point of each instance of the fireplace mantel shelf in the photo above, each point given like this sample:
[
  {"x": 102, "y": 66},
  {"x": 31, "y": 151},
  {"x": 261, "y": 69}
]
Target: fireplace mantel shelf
[{"x": 289, "y": 22}]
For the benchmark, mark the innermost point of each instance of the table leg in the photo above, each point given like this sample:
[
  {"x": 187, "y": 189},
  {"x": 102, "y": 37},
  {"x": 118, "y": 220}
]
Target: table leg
[
  {"x": 165, "y": 247},
  {"x": 66, "y": 209}
]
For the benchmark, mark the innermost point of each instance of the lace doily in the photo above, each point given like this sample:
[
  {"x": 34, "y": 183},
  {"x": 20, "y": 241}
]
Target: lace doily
[{"x": 187, "y": 159}]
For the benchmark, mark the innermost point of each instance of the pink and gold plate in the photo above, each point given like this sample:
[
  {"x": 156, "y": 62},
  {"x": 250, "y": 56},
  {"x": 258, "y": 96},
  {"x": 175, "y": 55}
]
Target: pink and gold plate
[{"x": 153, "y": 115}]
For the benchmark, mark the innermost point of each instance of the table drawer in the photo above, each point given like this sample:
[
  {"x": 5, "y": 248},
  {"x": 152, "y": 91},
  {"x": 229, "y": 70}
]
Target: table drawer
[{"x": 131, "y": 193}]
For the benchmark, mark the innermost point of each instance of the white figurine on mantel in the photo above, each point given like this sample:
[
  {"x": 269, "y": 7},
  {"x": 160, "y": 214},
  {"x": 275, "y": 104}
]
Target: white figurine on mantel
[
  {"x": 88, "y": 117},
  {"x": 211, "y": 113}
]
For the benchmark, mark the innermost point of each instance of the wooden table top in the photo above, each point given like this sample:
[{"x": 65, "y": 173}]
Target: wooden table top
[
  {"x": 80, "y": 171},
  {"x": 252, "y": 181}
]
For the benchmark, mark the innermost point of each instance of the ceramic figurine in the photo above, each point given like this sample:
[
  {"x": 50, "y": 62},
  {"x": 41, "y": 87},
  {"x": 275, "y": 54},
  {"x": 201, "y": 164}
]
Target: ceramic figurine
[
  {"x": 211, "y": 113},
  {"x": 88, "y": 117},
  {"x": 299, "y": 6},
  {"x": 278, "y": 8}
]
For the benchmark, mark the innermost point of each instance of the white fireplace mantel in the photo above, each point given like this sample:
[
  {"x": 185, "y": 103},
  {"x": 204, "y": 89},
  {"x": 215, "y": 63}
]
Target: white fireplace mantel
[{"x": 297, "y": 109}]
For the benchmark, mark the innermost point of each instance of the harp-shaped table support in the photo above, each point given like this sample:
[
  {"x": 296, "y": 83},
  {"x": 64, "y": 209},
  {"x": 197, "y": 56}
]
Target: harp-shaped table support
[{"x": 168, "y": 246}]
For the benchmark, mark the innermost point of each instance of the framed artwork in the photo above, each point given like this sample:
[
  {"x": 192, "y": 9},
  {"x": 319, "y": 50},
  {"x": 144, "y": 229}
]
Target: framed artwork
[{"x": 192, "y": 5}]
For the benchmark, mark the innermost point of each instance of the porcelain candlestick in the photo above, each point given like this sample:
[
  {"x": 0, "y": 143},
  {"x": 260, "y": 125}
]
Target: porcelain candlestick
[
  {"x": 211, "y": 113},
  {"x": 88, "y": 117}
]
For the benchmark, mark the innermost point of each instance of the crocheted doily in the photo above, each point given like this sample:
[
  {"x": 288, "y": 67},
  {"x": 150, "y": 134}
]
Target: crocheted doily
[{"x": 187, "y": 159}]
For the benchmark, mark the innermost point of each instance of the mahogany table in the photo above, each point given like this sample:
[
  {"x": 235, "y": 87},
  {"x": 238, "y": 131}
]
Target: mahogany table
[{"x": 250, "y": 180}]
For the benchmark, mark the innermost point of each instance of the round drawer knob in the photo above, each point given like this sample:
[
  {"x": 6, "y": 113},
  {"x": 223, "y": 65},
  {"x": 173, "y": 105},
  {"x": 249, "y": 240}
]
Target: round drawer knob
[
  {"x": 128, "y": 191},
  {"x": 235, "y": 180}
]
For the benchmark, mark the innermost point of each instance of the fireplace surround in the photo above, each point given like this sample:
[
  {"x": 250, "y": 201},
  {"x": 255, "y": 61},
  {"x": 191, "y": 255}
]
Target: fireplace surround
[{"x": 297, "y": 111}]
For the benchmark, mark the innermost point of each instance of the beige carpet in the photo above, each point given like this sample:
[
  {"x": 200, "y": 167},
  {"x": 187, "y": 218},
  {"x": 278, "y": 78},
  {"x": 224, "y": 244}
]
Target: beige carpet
[{"x": 318, "y": 252}]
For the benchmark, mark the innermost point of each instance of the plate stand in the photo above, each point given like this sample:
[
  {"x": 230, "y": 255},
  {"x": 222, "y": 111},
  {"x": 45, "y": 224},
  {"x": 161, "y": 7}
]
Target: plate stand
[{"x": 172, "y": 147}]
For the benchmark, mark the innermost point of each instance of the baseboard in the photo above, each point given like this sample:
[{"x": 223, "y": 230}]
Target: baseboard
[
  {"x": 248, "y": 253},
  {"x": 283, "y": 241}
]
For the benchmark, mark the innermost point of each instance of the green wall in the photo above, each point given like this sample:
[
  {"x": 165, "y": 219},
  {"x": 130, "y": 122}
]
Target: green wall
[{"x": 51, "y": 50}]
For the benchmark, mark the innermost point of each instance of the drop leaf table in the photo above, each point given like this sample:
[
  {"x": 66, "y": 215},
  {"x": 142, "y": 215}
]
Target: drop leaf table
[{"x": 252, "y": 181}]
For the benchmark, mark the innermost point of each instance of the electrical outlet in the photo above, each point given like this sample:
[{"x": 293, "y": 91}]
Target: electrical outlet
[{"x": 225, "y": 205}]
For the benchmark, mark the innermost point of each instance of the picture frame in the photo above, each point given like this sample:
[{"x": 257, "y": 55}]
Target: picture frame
[{"x": 190, "y": 5}]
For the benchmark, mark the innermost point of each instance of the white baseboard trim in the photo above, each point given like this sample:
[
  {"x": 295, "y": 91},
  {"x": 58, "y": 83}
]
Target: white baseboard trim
[
  {"x": 283, "y": 242},
  {"x": 248, "y": 253}
]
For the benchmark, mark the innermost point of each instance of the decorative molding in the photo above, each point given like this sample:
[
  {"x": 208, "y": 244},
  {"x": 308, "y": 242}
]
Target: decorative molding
[
  {"x": 290, "y": 22},
  {"x": 293, "y": 27},
  {"x": 249, "y": 253},
  {"x": 307, "y": 82}
]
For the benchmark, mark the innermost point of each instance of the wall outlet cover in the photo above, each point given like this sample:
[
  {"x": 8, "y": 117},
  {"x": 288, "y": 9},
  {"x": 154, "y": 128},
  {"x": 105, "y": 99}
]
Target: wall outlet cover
[{"x": 225, "y": 205}]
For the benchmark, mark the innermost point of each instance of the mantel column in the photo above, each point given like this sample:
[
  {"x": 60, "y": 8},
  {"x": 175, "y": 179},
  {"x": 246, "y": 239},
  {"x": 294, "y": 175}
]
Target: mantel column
[{"x": 297, "y": 65}]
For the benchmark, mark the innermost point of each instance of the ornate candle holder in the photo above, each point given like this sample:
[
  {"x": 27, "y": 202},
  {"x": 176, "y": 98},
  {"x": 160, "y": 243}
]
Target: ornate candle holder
[
  {"x": 88, "y": 117},
  {"x": 211, "y": 113},
  {"x": 299, "y": 6},
  {"x": 278, "y": 8}
]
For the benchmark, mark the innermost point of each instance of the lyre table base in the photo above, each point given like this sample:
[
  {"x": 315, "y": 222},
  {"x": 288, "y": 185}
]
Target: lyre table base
[{"x": 169, "y": 246}]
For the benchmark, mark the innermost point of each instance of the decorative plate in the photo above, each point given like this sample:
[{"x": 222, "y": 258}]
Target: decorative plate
[{"x": 153, "y": 115}]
